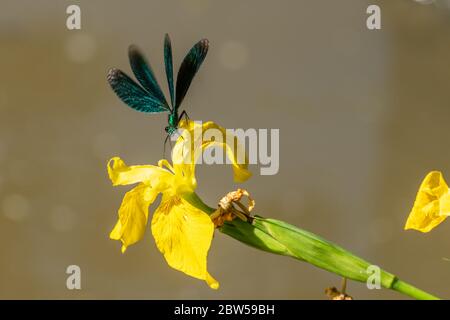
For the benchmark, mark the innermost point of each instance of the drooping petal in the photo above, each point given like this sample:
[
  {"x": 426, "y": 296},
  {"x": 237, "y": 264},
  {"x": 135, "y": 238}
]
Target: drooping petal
[
  {"x": 432, "y": 204},
  {"x": 121, "y": 174},
  {"x": 133, "y": 215},
  {"x": 234, "y": 151},
  {"x": 183, "y": 234},
  {"x": 191, "y": 144},
  {"x": 240, "y": 171}
]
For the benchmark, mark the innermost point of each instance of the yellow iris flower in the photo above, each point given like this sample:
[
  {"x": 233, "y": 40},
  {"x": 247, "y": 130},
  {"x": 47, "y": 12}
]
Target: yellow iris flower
[
  {"x": 182, "y": 232},
  {"x": 432, "y": 205}
]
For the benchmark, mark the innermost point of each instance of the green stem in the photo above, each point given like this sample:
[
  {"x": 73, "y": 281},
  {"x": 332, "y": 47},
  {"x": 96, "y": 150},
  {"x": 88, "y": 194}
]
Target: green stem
[
  {"x": 281, "y": 238},
  {"x": 412, "y": 291}
]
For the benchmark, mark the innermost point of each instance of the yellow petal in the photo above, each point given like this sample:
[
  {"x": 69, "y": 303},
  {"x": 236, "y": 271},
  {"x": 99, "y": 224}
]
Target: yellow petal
[
  {"x": 190, "y": 145},
  {"x": 212, "y": 283},
  {"x": 133, "y": 215},
  {"x": 432, "y": 204},
  {"x": 121, "y": 174},
  {"x": 445, "y": 205},
  {"x": 183, "y": 234}
]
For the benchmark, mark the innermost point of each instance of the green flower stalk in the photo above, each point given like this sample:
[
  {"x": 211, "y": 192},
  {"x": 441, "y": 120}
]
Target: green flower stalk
[{"x": 281, "y": 238}]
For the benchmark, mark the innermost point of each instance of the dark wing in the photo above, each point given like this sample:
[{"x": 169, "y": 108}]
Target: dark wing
[
  {"x": 189, "y": 68},
  {"x": 169, "y": 66},
  {"x": 133, "y": 94},
  {"x": 144, "y": 74}
]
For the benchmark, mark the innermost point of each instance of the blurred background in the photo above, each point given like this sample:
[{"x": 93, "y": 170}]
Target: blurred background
[{"x": 363, "y": 116}]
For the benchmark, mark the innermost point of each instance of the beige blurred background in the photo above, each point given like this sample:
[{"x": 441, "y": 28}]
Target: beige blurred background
[{"x": 363, "y": 116}]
